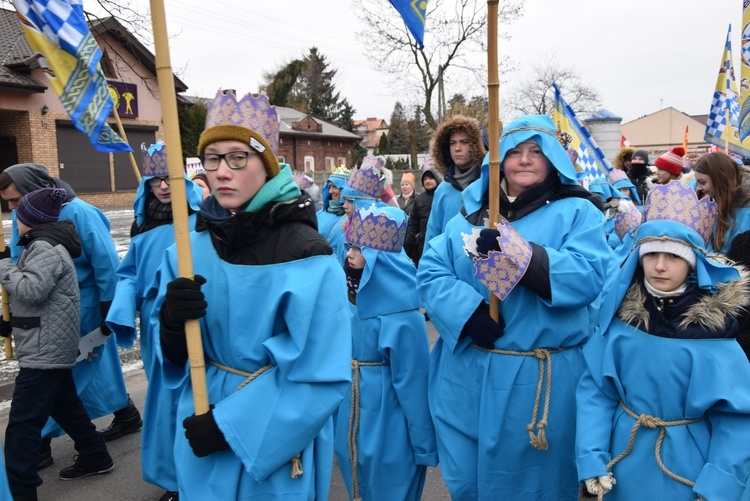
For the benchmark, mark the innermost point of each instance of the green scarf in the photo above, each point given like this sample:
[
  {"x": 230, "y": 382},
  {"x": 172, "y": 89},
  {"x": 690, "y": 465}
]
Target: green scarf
[{"x": 280, "y": 188}]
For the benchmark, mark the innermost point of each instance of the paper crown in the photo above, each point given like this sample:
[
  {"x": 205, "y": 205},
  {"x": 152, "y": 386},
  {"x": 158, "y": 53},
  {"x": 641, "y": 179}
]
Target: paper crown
[
  {"x": 302, "y": 180},
  {"x": 341, "y": 172},
  {"x": 627, "y": 218},
  {"x": 674, "y": 202},
  {"x": 500, "y": 270},
  {"x": 373, "y": 161},
  {"x": 252, "y": 112},
  {"x": 155, "y": 159},
  {"x": 378, "y": 228},
  {"x": 193, "y": 167},
  {"x": 366, "y": 181},
  {"x": 616, "y": 175}
]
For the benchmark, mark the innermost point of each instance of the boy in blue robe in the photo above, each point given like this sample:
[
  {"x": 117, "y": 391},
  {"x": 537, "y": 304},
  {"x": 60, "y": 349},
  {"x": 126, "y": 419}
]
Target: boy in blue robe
[
  {"x": 152, "y": 233},
  {"x": 332, "y": 216},
  {"x": 274, "y": 322},
  {"x": 384, "y": 433},
  {"x": 661, "y": 414}
]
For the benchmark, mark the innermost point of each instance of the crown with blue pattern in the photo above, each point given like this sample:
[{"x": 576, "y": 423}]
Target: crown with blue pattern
[
  {"x": 378, "y": 228},
  {"x": 675, "y": 202},
  {"x": 365, "y": 182},
  {"x": 155, "y": 159}
]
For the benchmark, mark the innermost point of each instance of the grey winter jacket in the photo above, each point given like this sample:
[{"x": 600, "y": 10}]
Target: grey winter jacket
[{"x": 44, "y": 297}]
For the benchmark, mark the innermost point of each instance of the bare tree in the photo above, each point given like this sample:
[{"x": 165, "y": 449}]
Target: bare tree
[
  {"x": 536, "y": 96},
  {"x": 454, "y": 56}
]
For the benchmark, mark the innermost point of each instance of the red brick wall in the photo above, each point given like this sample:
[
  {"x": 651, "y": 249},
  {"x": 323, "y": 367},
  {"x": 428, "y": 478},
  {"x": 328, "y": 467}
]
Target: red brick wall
[{"x": 317, "y": 148}]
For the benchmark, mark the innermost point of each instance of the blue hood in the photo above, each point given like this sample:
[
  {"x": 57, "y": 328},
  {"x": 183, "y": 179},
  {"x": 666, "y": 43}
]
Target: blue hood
[{"x": 193, "y": 192}]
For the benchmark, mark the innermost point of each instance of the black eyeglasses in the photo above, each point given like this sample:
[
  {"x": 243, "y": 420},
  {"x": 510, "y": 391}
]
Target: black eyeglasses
[
  {"x": 356, "y": 248},
  {"x": 234, "y": 159},
  {"x": 156, "y": 181}
]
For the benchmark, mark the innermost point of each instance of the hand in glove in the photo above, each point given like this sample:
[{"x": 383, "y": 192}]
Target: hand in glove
[
  {"x": 5, "y": 328},
  {"x": 482, "y": 329},
  {"x": 601, "y": 484},
  {"x": 204, "y": 435},
  {"x": 487, "y": 241},
  {"x": 104, "y": 309},
  {"x": 184, "y": 301}
]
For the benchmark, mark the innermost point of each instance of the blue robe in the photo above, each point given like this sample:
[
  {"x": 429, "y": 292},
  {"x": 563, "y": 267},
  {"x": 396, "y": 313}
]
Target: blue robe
[
  {"x": 671, "y": 379},
  {"x": 482, "y": 402},
  {"x": 396, "y": 439},
  {"x": 99, "y": 381},
  {"x": 331, "y": 227},
  {"x": 135, "y": 293},
  {"x": 294, "y": 317},
  {"x": 446, "y": 203}
]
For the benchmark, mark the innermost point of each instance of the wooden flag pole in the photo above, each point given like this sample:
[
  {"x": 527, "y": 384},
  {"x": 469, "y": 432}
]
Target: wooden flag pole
[
  {"x": 125, "y": 138},
  {"x": 493, "y": 87},
  {"x": 179, "y": 198},
  {"x": 8, "y": 342}
]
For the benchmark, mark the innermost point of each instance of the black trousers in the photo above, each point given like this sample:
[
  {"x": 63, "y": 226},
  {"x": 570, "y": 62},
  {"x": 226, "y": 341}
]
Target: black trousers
[{"x": 38, "y": 395}]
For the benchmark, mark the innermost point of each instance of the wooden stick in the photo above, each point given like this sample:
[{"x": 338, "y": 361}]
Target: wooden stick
[
  {"x": 125, "y": 138},
  {"x": 179, "y": 198},
  {"x": 8, "y": 342},
  {"x": 493, "y": 87}
]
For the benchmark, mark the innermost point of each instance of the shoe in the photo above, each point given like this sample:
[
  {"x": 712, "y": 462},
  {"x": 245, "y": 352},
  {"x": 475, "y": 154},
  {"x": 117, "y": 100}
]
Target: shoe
[
  {"x": 170, "y": 496},
  {"x": 127, "y": 420},
  {"x": 45, "y": 455},
  {"x": 85, "y": 466}
]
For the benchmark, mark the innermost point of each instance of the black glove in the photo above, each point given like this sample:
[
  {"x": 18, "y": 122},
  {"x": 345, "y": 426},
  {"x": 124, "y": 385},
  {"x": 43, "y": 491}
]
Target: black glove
[
  {"x": 5, "y": 328},
  {"x": 104, "y": 308},
  {"x": 5, "y": 253},
  {"x": 204, "y": 435},
  {"x": 487, "y": 241},
  {"x": 482, "y": 329},
  {"x": 184, "y": 301}
]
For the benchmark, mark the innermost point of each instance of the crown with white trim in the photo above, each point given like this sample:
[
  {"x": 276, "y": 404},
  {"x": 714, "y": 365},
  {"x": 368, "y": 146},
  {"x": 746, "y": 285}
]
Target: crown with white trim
[
  {"x": 675, "y": 202},
  {"x": 155, "y": 159}
]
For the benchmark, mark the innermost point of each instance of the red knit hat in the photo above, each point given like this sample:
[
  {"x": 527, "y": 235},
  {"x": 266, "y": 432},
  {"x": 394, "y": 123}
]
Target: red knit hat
[
  {"x": 41, "y": 206},
  {"x": 671, "y": 161}
]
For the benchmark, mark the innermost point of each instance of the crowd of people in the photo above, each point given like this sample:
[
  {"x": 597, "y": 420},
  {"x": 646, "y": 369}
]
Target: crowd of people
[{"x": 591, "y": 333}]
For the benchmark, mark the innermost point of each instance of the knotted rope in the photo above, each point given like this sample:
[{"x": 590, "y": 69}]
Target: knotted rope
[
  {"x": 652, "y": 423},
  {"x": 249, "y": 378},
  {"x": 354, "y": 423},
  {"x": 538, "y": 440}
]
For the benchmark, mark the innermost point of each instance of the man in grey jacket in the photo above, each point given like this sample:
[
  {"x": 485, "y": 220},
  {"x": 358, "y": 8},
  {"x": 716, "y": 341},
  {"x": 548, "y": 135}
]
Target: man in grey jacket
[{"x": 45, "y": 309}]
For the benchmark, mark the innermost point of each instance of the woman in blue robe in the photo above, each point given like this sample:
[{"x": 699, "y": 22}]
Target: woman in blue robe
[
  {"x": 332, "y": 218},
  {"x": 485, "y": 377},
  {"x": 152, "y": 234},
  {"x": 392, "y": 432},
  {"x": 673, "y": 357}
]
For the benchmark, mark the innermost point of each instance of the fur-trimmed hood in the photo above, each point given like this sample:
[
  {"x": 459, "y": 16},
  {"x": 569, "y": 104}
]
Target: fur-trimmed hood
[
  {"x": 440, "y": 149},
  {"x": 709, "y": 312},
  {"x": 622, "y": 155}
]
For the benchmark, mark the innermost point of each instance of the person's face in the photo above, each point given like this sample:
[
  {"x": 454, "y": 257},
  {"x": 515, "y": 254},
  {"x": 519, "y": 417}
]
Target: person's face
[
  {"x": 11, "y": 195},
  {"x": 625, "y": 191},
  {"x": 627, "y": 163},
  {"x": 429, "y": 183},
  {"x": 334, "y": 191},
  {"x": 524, "y": 166},
  {"x": 406, "y": 188},
  {"x": 233, "y": 188},
  {"x": 161, "y": 191},
  {"x": 637, "y": 160},
  {"x": 703, "y": 182},
  {"x": 204, "y": 187},
  {"x": 355, "y": 258},
  {"x": 665, "y": 272},
  {"x": 460, "y": 147},
  {"x": 349, "y": 207},
  {"x": 664, "y": 176},
  {"x": 22, "y": 228}
]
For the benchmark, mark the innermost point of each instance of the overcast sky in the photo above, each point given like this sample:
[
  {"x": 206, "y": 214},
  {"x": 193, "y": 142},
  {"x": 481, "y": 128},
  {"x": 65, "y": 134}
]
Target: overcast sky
[{"x": 640, "y": 55}]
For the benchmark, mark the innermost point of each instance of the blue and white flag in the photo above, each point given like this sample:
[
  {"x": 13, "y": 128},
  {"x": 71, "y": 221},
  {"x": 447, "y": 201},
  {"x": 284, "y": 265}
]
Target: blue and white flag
[
  {"x": 413, "y": 12},
  {"x": 69, "y": 55},
  {"x": 574, "y": 135}
]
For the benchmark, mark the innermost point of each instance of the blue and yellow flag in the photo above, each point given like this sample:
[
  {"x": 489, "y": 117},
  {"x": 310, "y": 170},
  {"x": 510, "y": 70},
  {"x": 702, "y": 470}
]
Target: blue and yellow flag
[
  {"x": 69, "y": 56},
  {"x": 413, "y": 12},
  {"x": 745, "y": 73},
  {"x": 575, "y": 136},
  {"x": 723, "y": 123}
]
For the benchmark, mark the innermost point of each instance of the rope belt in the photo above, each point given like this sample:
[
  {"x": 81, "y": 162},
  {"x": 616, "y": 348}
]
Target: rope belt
[
  {"x": 653, "y": 423},
  {"x": 543, "y": 355},
  {"x": 354, "y": 423},
  {"x": 249, "y": 378}
]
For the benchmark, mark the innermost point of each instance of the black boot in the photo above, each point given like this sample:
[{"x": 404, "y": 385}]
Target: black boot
[
  {"x": 45, "y": 454},
  {"x": 127, "y": 420}
]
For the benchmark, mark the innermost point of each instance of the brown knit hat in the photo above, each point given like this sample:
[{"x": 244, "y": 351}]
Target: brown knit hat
[{"x": 252, "y": 120}]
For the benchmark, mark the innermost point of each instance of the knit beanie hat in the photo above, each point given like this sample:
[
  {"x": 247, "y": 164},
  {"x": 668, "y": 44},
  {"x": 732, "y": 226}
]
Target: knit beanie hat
[
  {"x": 671, "y": 161},
  {"x": 40, "y": 207},
  {"x": 409, "y": 178},
  {"x": 670, "y": 247},
  {"x": 251, "y": 120},
  {"x": 640, "y": 154}
]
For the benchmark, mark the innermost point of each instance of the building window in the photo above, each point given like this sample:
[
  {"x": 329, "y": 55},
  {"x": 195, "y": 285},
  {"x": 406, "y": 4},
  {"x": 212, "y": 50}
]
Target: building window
[
  {"x": 282, "y": 159},
  {"x": 342, "y": 161},
  {"x": 329, "y": 164},
  {"x": 309, "y": 163}
]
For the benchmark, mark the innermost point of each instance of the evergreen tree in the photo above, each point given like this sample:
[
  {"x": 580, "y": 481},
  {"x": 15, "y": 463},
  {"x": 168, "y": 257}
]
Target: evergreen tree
[
  {"x": 398, "y": 134},
  {"x": 382, "y": 147},
  {"x": 192, "y": 122},
  {"x": 280, "y": 86}
]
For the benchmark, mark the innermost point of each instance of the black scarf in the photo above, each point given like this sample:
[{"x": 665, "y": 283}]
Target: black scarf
[
  {"x": 157, "y": 214},
  {"x": 353, "y": 277}
]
